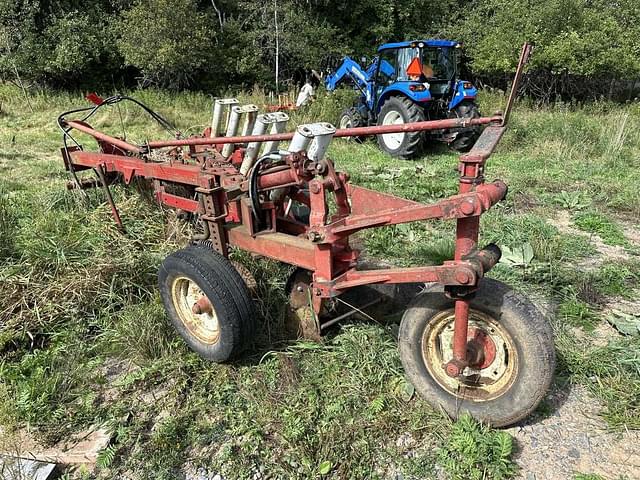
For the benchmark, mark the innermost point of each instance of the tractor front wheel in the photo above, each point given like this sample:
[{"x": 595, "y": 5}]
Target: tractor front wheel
[
  {"x": 397, "y": 111},
  {"x": 351, "y": 118},
  {"x": 512, "y": 343},
  {"x": 207, "y": 302}
]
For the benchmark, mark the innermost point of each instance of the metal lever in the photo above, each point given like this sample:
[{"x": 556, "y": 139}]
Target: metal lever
[{"x": 525, "y": 53}]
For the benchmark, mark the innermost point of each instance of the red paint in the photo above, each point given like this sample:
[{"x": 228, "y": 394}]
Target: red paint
[
  {"x": 94, "y": 98},
  {"x": 460, "y": 326},
  {"x": 103, "y": 136}
]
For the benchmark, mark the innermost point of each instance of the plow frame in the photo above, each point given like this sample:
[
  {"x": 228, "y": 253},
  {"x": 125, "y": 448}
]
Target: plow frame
[
  {"x": 221, "y": 197},
  {"x": 322, "y": 246}
]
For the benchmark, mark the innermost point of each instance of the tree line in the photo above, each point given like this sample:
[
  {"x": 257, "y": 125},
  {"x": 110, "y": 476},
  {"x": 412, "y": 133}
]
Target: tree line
[{"x": 583, "y": 47}]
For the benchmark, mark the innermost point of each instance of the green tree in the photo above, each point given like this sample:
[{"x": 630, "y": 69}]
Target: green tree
[
  {"x": 579, "y": 37},
  {"x": 57, "y": 42},
  {"x": 170, "y": 41}
]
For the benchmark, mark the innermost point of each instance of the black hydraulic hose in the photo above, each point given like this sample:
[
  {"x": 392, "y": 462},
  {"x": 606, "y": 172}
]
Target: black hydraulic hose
[
  {"x": 112, "y": 101},
  {"x": 253, "y": 184}
]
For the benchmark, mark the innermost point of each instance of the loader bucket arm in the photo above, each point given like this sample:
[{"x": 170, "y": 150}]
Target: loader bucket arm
[{"x": 347, "y": 69}]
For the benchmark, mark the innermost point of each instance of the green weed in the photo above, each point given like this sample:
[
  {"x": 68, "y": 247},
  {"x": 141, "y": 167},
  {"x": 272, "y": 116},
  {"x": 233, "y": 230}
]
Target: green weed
[
  {"x": 619, "y": 279},
  {"x": 473, "y": 451},
  {"x": 577, "y": 313},
  {"x": 588, "y": 476},
  {"x": 605, "y": 228}
]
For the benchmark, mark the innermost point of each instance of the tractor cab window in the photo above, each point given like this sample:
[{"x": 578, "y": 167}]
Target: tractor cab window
[
  {"x": 405, "y": 57},
  {"x": 387, "y": 70},
  {"x": 439, "y": 63}
]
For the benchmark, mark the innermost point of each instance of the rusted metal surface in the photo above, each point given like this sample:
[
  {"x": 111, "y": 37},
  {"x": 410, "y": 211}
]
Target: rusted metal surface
[
  {"x": 81, "y": 126},
  {"x": 279, "y": 246},
  {"x": 454, "y": 273},
  {"x": 525, "y": 53},
  {"x": 321, "y": 245},
  {"x": 105, "y": 186},
  {"x": 449, "y": 123},
  {"x": 301, "y": 320},
  {"x": 468, "y": 204},
  {"x": 492, "y": 363},
  {"x": 194, "y": 310},
  {"x": 460, "y": 326}
]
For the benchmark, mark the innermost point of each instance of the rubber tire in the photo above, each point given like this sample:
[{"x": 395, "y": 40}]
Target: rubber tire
[
  {"x": 413, "y": 142},
  {"x": 225, "y": 289},
  {"x": 355, "y": 120},
  {"x": 529, "y": 330},
  {"x": 465, "y": 140}
]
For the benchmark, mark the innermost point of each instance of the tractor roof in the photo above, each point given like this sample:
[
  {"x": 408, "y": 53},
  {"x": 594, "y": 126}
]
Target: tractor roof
[{"x": 429, "y": 43}]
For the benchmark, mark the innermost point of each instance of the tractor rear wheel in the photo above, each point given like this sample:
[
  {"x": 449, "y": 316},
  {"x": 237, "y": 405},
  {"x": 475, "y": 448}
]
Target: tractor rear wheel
[
  {"x": 207, "y": 302},
  {"x": 351, "y": 118},
  {"x": 514, "y": 346},
  {"x": 463, "y": 141},
  {"x": 397, "y": 111}
]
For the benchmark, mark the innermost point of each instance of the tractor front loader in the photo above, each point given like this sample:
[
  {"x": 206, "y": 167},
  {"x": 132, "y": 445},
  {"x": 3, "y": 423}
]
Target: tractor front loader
[{"x": 468, "y": 343}]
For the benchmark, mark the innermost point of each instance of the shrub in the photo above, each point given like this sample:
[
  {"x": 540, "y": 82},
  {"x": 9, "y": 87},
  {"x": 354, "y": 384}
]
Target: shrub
[{"x": 169, "y": 41}]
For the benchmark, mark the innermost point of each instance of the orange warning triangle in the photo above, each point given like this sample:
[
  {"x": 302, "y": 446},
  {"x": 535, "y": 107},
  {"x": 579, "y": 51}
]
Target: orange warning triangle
[{"x": 415, "y": 68}]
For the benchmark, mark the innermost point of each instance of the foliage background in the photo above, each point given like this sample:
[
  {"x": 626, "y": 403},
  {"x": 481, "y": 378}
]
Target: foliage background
[{"x": 584, "y": 48}]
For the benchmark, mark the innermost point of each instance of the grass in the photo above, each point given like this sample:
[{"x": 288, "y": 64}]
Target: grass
[
  {"x": 597, "y": 223},
  {"x": 84, "y": 339}
]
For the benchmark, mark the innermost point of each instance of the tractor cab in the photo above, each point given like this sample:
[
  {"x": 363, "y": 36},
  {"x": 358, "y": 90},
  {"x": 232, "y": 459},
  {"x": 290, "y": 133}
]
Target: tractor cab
[{"x": 426, "y": 70}]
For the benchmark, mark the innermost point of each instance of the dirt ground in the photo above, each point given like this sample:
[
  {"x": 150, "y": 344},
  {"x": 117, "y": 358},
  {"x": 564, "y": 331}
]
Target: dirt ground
[{"x": 573, "y": 438}]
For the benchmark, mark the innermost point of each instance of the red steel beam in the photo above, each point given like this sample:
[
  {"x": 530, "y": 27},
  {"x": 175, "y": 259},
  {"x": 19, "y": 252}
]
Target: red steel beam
[
  {"x": 343, "y": 132},
  {"x": 448, "y": 274},
  {"x": 468, "y": 204},
  {"x": 103, "y": 136},
  {"x": 177, "y": 172},
  {"x": 279, "y": 246}
]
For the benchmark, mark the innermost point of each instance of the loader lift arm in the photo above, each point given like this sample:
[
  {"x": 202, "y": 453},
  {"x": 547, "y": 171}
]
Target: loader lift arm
[{"x": 351, "y": 69}]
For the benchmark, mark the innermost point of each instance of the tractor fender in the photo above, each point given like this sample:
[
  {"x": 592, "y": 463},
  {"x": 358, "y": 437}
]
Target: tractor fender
[
  {"x": 402, "y": 89},
  {"x": 464, "y": 90}
]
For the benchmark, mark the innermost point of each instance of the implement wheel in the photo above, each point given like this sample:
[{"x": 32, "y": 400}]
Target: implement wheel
[
  {"x": 207, "y": 302},
  {"x": 509, "y": 339},
  {"x": 398, "y": 111}
]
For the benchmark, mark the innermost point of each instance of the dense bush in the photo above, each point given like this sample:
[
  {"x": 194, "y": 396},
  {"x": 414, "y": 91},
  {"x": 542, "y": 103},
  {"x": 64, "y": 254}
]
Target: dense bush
[
  {"x": 583, "y": 47},
  {"x": 59, "y": 43},
  {"x": 170, "y": 41}
]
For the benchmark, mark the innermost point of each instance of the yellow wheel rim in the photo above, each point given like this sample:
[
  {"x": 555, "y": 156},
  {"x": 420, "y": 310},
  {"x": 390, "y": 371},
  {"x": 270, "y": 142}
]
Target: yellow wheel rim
[
  {"x": 475, "y": 384},
  {"x": 185, "y": 293}
]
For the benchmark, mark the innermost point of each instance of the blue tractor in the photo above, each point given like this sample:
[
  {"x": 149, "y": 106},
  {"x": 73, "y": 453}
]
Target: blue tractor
[{"x": 410, "y": 82}]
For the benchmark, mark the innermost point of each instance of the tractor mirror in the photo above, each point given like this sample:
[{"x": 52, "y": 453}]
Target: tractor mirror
[{"x": 364, "y": 60}]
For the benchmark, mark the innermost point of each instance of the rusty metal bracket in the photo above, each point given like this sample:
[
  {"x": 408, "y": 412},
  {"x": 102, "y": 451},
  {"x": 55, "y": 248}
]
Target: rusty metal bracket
[
  {"x": 107, "y": 192},
  {"x": 525, "y": 53}
]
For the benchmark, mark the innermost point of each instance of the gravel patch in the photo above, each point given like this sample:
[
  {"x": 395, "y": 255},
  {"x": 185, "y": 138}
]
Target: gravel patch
[{"x": 575, "y": 439}]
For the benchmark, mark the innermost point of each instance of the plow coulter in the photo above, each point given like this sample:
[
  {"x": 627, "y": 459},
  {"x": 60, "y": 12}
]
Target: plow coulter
[{"x": 467, "y": 343}]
